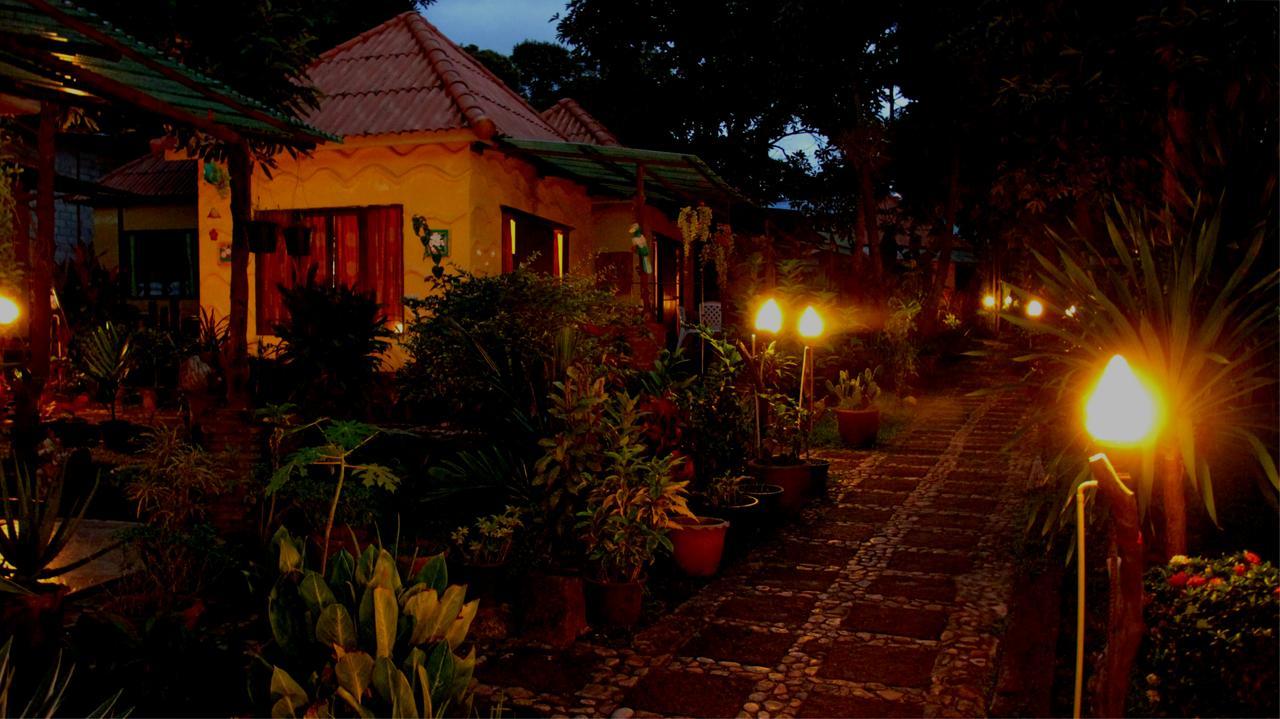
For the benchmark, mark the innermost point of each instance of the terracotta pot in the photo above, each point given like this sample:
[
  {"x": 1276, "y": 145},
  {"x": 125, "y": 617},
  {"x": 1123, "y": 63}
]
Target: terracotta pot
[
  {"x": 819, "y": 473},
  {"x": 858, "y": 427},
  {"x": 698, "y": 544},
  {"x": 614, "y": 604},
  {"x": 796, "y": 481}
]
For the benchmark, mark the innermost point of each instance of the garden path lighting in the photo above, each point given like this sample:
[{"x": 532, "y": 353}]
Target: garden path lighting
[
  {"x": 9, "y": 311},
  {"x": 1071, "y": 311},
  {"x": 1121, "y": 411},
  {"x": 768, "y": 319},
  {"x": 988, "y": 301},
  {"x": 1035, "y": 308},
  {"x": 810, "y": 327},
  {"x": 1008, "y": 301}
]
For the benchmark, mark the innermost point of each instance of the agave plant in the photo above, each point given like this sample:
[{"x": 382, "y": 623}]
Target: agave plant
[
  {"x": 1203, "y": 332},
  {"x": 35, "y": 529},
  {"x": 361, "y": 641},
  {"x": 49, "y": 695},
  {"x": 106, "y": 356}
]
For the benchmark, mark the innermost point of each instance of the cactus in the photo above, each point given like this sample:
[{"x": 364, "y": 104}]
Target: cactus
[
  {"x": 362, "y": 641},
  {"x": 855, "y": 391}
]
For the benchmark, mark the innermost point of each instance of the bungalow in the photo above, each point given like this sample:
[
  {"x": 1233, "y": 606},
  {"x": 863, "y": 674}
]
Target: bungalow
[{"x": 427, "y": 132}]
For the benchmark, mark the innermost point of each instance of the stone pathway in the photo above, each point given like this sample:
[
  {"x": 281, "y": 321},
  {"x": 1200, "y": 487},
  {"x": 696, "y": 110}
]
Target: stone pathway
[{"x": 888, "y": 600}]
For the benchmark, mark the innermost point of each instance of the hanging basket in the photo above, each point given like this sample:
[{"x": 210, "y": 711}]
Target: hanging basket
[
  {"x": 297, "y": 240},
  {"x": 262, "y": 236}
]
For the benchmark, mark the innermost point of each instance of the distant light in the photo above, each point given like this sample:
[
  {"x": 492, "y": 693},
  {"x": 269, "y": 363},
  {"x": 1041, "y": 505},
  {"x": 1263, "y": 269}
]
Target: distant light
[
  {"x": 1121, "y": 410},
  {"x": 9, "y": 311},
  {"x": 810, "y": 323},
  {"x": 988, "y": 302},
  {"x": 1071, "y": 311},
  {"x": 769, "y": 317},
  {"x": 1035, "y": 309},
  {"x": 1008, "y": 300}
]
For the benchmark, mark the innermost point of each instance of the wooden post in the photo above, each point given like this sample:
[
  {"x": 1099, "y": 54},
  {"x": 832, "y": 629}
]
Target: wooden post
[
  {"x": 236, "y": 359},
  {"x": 646, "y": 280},
  {"x": 41, "y": 263},
  {"x": 1125, "y": 625},
  {"x": 1173, "y": 502}
]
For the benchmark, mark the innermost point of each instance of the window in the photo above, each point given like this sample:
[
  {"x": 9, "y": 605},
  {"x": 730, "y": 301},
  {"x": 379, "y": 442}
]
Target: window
[
  {"x": 529, "y": 241},
  {"x": 160, "y": 263},
  {"x": 359, "y": 247}
]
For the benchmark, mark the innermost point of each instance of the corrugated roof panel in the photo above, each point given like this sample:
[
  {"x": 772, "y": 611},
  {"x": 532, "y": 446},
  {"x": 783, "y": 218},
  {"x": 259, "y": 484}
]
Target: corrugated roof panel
[{"x": 153, "y": 176}]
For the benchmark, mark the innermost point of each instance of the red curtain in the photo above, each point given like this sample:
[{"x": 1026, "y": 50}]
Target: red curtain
[
  {"x": 383, "y": 266},
  {"x": 279, "y": 269}
]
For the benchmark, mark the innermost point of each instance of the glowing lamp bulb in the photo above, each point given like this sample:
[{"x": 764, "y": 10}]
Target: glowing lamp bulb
[
  {"x": 988, "y": 302},
  {"x": 1035, "y": 309},
  {"x": 1121, "y": 410},
  {"x": 1071, "y": 311},
  {"x": 9, "y": 311},
  {"x": 769, "y": 317},
  {"x": 1008, "y": 300},
  {"x": 810, "y": 323}
]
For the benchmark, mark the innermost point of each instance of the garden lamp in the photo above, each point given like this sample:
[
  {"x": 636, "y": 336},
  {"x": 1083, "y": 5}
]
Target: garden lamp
[
  {"x": 1120, "y": 412},
  {"x": 768, "y": 319},
  {"x": 9, "y": 311},
  {"x": 988, "y": 301},
  {"x": 810, "y": 327},
  {"x": 1034, "y": 309}
]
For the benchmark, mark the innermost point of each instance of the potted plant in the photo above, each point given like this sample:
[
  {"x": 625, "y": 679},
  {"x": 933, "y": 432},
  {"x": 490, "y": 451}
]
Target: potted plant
[
  {"x": 297, "y": 240},
  {"x": 856, "y": 415},
  {"x": 627, "y": 516},
  {"x": 484, "y": 547},
  {"x": 107, "y": 358},
  {"x": 727, "y": 497},
  {"x": 781, "y": 464},
  {"x": 262, "y": 236}
]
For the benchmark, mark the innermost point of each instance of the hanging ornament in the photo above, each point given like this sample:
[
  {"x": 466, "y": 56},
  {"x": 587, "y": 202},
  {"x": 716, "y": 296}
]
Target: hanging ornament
[{"x": 642, "y": 248}]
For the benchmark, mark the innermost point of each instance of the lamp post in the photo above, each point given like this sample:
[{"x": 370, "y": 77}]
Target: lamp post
[
  {"x": 810, "y": 327},
  {"x": 768, "y": 319},
  {"x": 1120, "y": 412}
]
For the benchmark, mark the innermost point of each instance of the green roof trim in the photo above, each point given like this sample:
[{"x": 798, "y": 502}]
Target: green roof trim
[
  {"x": 56, "y": 50},
  {"x": 668, "y": 176}
]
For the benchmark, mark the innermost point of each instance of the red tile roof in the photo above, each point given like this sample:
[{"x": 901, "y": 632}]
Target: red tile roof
[
  {"x": 576, "y": 124},
  {"x": 153, "y": 176},
  {"x": 406, "y": 76}
]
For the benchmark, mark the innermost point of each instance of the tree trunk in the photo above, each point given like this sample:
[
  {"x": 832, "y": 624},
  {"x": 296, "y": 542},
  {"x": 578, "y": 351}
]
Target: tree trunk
[
  {"x": 944, "y": 245},
  {"x": 41, "y": 264},
  {"x": 240, "y": 169}
]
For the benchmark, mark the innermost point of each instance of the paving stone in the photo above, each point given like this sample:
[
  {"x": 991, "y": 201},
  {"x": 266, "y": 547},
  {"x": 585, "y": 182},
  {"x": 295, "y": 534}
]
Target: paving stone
[
  {"x": 794, "y": 579},
  {"x": 895, "y": 621},
  {"x": 939, "y": 539},
  {"x": 735, "y": 643},
  {"x": 875, "y": 499},
  {"x": 828, "y": 555},
  {"x": 871, "y": 515},
  {"x": 895, "y": 471},
  {"x": 768, "y": 607},
  {"x": 667, "y": 635},
  {"x": 542, "y": 672},
  {"x": 931, "y": 588},
  {"x": 841, "y": 531},
  {"x": 979, "y": 489},
  {"x": 976, "y": 505},
  {"x": 676, "y": 693},
  {"x": 952, "y": 521},
  {"x": 890, "y": 484},
  {"x": 822, "y": 705},
  {"x": 899, "y": 666},
  {"x": 930, "y": 562}
]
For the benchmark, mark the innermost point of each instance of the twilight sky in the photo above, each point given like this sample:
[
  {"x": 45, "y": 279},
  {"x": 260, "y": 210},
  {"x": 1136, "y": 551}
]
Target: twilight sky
[{"x": 495, "y": 24}]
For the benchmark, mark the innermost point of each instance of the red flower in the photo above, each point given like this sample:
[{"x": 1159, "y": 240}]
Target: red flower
[
  {"x": 1197, "y": 582},
  {"x": 1178, "y": 580},
  {"x": 1240, "y": 570},
  {"x": 1215, "y": 581},
  {"x": 1251, "y": 558},
  {"x": 1276, "y": 591}
]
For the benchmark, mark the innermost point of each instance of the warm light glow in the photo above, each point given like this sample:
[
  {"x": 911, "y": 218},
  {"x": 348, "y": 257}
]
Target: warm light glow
[
  {"x": 1035, "y": 309},
  {"x": 769, "y": 317},
  {"x": 512, "y": 226},
  {"x": 1008, "y": 300},
  {"x": 398, "y": 328},
  {"x": 559, "y": 253},
  {"x": 988, "y": 302},
  {"x": 9, "y": 311},
  {"x": 810, "y": 323},
  {"x": 1071, "y": 311},
  {"x": 1121, "y": 410}
]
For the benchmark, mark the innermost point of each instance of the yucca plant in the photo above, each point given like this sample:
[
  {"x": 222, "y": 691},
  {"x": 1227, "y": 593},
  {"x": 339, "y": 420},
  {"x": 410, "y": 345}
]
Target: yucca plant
[
  {"x": 1192, "y": 311},
  {"x": 35, "y": 528},
  {"x": 106, "y": 357}
]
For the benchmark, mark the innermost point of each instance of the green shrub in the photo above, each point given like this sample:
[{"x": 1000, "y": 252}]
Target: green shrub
[{"x": 1211, "y": 647}]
